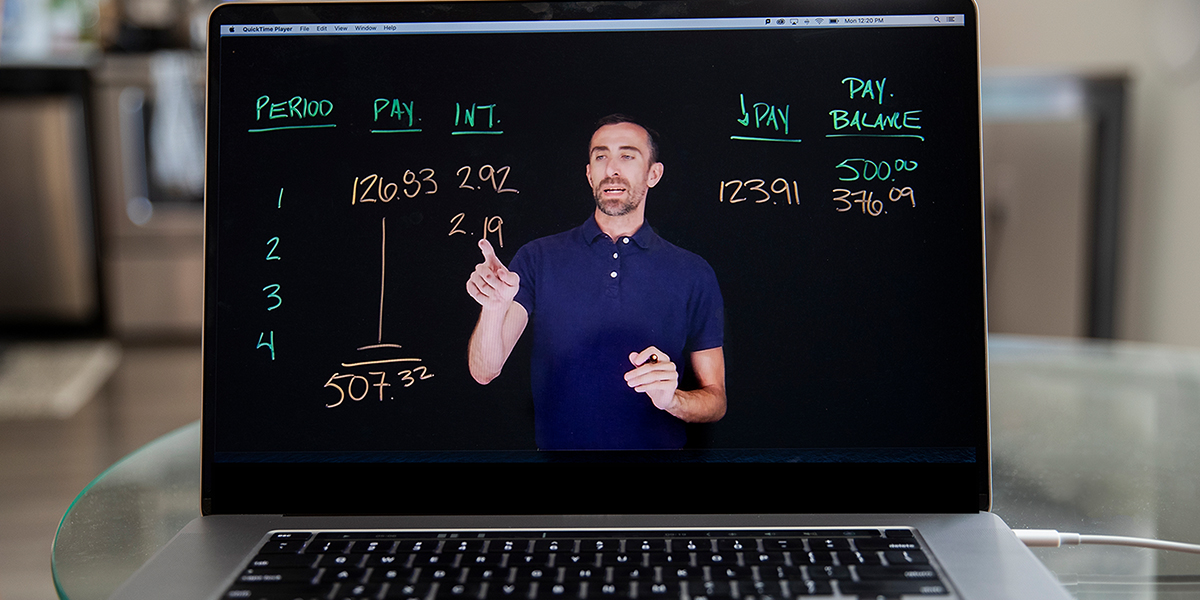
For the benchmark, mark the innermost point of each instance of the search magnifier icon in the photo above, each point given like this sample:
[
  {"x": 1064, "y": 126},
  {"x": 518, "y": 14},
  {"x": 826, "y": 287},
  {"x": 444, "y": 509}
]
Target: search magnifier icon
[{"x": 937, "y": 19}]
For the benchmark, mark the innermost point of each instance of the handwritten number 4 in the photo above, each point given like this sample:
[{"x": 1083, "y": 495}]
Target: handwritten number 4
[{"x": 270, "y": 344}]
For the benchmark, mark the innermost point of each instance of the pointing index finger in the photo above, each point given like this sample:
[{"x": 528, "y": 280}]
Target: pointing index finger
[{"x": 489, "y": 255}]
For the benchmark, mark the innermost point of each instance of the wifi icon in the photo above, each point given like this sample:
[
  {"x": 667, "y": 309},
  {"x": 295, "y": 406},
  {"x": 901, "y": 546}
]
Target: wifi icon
[{"x": 820, "y": 20}]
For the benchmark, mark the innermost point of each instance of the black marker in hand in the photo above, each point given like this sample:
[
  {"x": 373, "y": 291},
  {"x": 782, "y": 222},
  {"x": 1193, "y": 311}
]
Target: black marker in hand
[{"x": 655, "y": 375}]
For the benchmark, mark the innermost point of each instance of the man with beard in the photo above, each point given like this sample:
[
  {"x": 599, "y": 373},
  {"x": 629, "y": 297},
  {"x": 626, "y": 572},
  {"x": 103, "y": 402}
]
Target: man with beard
[{"x": 613, "y": 306}]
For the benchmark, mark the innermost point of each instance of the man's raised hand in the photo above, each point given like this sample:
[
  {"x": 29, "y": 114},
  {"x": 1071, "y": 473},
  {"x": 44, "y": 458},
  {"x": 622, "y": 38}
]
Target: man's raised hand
[{"x": 491, "y": 284}]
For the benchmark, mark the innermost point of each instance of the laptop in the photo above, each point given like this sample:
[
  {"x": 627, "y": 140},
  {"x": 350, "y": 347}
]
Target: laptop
[{"x": 688, "y": 293}]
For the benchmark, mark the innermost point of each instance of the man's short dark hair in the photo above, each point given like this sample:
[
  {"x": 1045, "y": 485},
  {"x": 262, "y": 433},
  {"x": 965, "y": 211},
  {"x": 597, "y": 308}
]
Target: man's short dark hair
[{"x": 617, "y": 119}]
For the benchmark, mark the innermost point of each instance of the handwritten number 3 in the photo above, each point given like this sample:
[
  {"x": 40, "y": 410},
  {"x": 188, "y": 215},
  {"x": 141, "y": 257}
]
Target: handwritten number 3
[{"x": 274, "y": 294}]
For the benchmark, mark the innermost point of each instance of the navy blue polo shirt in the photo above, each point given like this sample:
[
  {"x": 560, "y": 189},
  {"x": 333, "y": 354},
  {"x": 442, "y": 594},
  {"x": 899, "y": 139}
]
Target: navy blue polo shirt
[{"x": 593, "y": 300}]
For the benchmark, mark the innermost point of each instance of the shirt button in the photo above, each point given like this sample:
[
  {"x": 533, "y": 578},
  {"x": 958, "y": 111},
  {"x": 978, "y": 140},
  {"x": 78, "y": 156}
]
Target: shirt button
[
  {"x": 615, "y": 255},
  {"x": 624, "y": 240},
  {"x": 613, "y": 274}
]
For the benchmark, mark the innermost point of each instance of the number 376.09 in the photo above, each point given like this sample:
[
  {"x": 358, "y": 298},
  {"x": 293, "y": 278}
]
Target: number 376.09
[{"x": 359, "y": 386}]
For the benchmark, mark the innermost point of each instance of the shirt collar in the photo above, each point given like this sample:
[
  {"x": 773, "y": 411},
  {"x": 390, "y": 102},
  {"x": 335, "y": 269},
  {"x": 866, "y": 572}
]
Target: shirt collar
[{"x": 643, "y": 237}]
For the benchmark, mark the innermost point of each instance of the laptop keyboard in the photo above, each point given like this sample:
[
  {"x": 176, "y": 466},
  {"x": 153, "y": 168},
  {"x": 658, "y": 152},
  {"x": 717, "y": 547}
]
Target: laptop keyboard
[{"x": 527, "y": 565}]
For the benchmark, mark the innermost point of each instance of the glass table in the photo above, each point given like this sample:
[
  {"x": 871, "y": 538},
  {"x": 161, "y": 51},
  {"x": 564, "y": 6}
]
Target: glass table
[{"x": 1088, "y": 437}]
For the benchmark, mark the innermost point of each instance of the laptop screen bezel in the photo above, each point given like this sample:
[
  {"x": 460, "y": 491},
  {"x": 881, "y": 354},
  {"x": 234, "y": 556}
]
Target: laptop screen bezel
[{"x": 577, "y": 486}]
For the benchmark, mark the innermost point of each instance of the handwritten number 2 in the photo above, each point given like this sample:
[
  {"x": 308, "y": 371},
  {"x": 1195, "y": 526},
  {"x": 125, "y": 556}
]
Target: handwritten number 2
[
  {"x": 273, "y": 243},
  {"x": 457, "y": 220}
]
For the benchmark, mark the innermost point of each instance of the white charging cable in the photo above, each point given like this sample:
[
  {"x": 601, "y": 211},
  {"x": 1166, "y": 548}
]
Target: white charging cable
[{"x": 1052, "y": 538}]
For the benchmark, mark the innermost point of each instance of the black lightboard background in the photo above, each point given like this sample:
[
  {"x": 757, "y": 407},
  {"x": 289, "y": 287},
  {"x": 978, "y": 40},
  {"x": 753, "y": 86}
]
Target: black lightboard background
[{"x": 842, "y": 329}]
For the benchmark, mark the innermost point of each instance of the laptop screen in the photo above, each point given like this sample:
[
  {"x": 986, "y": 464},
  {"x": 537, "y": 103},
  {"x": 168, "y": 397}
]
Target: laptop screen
[{"x": 554, "y": 244}]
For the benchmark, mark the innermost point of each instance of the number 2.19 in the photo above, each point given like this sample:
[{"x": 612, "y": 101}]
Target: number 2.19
[{"x": 490, "y": 225}]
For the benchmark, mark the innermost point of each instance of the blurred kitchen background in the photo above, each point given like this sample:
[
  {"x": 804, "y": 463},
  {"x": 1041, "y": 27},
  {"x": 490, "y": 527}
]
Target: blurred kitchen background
[{"x": 1092, "y": 161}]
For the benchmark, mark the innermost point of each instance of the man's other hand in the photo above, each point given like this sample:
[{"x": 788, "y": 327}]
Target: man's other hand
[
  {"x": 491, "y": 284},
  {"x": 654, "y": 375}
]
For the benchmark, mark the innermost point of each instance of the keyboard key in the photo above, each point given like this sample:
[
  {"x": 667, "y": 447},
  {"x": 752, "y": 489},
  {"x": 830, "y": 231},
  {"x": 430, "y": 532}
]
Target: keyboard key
[
  {"x": 282, "y": 547},
  {"x": 764, "y": 558},
  {"x": 691, "y": 545},
  {"x": 763, "y": 588},
  {"x": 658, "y": 590},
  {"x": 410, "y": 591},
  {"x": 285, "y": 536},
  {"x": 812, "y": 558},
  {"x": 406, "y": 546},
  {"x": 482, "y": 560},
  {"x": 717, "y": 560},
  {"x": 372, "y": 546},
  {"x": 282, "y": 561},
  {"x": 525, "y": 573},
  {"x": 897, "y": 573},
  {"x": 809, "y": 587},
  {"x": 737, "y": 545},
  {"x": 301, "y": 576},
  {"x": 439, "y": 574},
  {"x": 870, "y": 589},
  {"x": 609, "y": 590},
  {"x": 507, "y": 591},
  {"x": 626, "y": 574},
  {"x": 886, "y": 544},
  {"x": 384, "y": 574},
  {"x": 463, "y": 546},
  {"x": 682, "y": 572},
  {"x": 330, "y": 547},
  {"x": 619, "y": 559},
  {"x": 291, "y": 592},
  {"x": 458, "y": 590},
  {"x": 784, "y": 544},
  {"x": 554, "y": 546},
  {"x": 646, "y": 545},
  {"x": 829, "y": 544},
  {"x": 509, "y": 545},
  {"x": 731, "y": 572},
  {"x": 595, "y": 545},
  {"x": 343, "y": 575},
  {"x": 547, "y": 589},
  {"x": 339, "y": 561},
  {"x": 486, "y": 574},
  {"x": 581, "y": 560},
  {"x": 531, "y": 560},
  {"x": 911, "y": 557},
  {"x": 827, "y": 572},
  {"x": 859, "y": 558},
  {"x": 360, "y": 591},
  {"x": 386, "y": 560},
  {"x": 710, "y": 589}
]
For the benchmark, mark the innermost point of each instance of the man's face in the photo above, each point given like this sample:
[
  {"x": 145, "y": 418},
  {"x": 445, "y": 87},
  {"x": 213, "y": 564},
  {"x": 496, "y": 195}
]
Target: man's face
[{"x": 619, "y": 168}]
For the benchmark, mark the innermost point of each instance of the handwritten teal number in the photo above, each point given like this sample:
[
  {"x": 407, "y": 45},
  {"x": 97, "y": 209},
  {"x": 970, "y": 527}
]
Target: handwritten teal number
[
  {"x": 273, "y": 243},
  {"x": 274, "y": 294},
  {"x": 843, "y": 165},
  {"x": 269, "y": 344}
]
